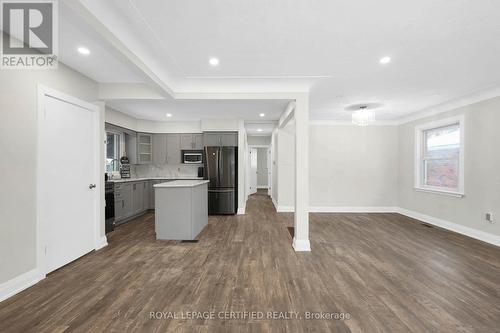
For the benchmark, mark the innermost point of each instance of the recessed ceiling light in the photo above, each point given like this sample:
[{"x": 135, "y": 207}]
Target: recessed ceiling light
[
  {"x": 169, "y": 115},
  {"x": 83, "y": 50},
  {"x": 385, "y": 60},
  {"x": 262, "y": 115},
  {"x": 259, "y": 129},
  {"x": 214, "y": 61}
]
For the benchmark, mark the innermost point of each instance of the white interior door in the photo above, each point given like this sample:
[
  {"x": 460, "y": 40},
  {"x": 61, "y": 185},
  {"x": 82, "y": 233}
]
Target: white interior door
[
  {"x": 253, "y": 170},
  {"x": 67, "y": 202}
]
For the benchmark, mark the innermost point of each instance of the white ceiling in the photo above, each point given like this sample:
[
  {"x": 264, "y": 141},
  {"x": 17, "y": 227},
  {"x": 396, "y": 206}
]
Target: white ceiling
[
  {"x": 260, "y": 128},
  {"x": 104, "y": 63},
  {"x": 441, "y": 50},
  {"x": 200, "y": 109}
]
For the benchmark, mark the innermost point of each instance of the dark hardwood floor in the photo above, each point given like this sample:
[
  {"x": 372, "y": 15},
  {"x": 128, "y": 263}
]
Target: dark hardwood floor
[{"x": 385, "y": 272}]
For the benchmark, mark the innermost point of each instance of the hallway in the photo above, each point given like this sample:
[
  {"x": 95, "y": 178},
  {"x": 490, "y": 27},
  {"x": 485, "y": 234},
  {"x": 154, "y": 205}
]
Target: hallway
[{"x": 418, "y": 280}]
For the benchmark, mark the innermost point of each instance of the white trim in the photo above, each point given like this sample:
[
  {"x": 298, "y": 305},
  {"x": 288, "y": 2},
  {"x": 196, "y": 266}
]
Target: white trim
[
  {"x": 439, "y": 191},
  {"x": 263, "y": 187},
  {"x": 419, "y": 130},
  {"x": 301, "y": 245},
  {"x": 319, "y": 122},
  {"x": 285, "y": 209},
  {"x": 287, "y": 114},
  {"x": 318, "y": 209},
  {"x": 274, "y": 203},
  {"x": 241, "y": 210},
  {"x": 19, "y": 283},
  {"x": 451, "y": 226},
  {"x": 103, "y": 242},
  {"x": 44, "y": 91}
]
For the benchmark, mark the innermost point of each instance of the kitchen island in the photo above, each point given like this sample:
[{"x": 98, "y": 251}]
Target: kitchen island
[{"x": 181, "y": 209}]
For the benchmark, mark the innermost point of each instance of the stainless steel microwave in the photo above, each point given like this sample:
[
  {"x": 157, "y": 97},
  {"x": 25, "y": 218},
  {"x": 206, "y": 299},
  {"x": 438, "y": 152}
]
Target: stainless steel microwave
[{"x": 192, "y": 157}]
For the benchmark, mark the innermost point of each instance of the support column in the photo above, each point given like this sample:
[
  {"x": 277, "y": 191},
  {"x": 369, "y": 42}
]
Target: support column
[{"x": 301, "y": 216}]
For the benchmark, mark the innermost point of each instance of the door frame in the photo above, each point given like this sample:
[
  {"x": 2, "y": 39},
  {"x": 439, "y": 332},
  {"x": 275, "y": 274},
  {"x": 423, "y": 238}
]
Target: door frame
[
  {"x": 249, "y": 167},
  {"x": 99, "y": 242}
]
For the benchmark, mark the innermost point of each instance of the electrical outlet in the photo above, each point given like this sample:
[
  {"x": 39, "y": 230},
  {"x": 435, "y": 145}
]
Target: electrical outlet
[{"x": 489, "y": 217}]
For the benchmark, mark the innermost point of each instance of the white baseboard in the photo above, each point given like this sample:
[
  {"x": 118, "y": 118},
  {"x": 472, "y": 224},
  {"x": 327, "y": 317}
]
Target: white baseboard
[
  {"x": 285, "y": 209},
  {"x": 102, "y": 242},
  {"x": 467, "y": 231},
  {"x": 19, "y": 283},
  {"x": 301, "y": 245},
  {"x": 262, "y": 186},
  {"x": 241, "y": 210},
  {"x": 318, "y": 209},
  {"x": 274, "y": 203}
]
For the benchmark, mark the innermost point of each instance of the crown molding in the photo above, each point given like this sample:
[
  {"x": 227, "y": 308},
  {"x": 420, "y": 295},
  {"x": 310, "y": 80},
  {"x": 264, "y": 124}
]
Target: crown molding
[
  {"x": 452, "y": 105},
  {"x": 349, "y": 123}
]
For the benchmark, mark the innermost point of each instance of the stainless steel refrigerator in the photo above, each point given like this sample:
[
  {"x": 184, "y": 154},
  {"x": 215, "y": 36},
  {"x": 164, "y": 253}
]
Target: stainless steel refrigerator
[{"x": 221, "y": 166}]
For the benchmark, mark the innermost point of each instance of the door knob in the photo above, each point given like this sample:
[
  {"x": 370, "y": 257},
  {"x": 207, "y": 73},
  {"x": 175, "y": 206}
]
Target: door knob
[{"x": 91, "y": 186}]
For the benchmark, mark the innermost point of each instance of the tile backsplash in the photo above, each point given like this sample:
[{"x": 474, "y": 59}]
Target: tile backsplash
[{"x": 163, "y": 170}]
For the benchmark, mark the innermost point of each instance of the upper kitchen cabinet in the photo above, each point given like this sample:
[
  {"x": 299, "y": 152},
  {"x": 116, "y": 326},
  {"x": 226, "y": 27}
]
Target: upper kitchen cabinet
[
  {"x": 144, "y": 148},
  {"x": 198, "y": 141},
  {"x": 173, "y": 148},
  {"x": 131, "y": 147},
  {"x": 191, "y": 141},
  {"x": 229, "y": 139},
  {"x": 159, "y": 148},
  {"x": 220, "y": 139}
]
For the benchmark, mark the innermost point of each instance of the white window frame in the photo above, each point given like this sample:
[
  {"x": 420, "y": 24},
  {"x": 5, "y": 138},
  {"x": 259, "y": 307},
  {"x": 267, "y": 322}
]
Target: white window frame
[
  {"x": 118, "y": 145},
  {"x": 419, "y": 151}
]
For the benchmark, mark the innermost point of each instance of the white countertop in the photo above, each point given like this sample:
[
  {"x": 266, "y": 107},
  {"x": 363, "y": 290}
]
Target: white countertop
[
  {"x": 124, "y": 180},
  {"x": 182, "y": 183}
]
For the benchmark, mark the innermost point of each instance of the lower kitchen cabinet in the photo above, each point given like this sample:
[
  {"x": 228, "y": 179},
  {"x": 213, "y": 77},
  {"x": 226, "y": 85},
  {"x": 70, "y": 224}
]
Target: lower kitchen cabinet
[
  {"x": 131, "y": 199},
  {"x": 147, "y": 194},
  {"x": 138, "y": 194}
]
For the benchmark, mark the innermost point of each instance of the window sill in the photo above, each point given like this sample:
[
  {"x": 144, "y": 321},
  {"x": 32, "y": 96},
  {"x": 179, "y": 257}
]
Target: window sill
[{"x": 442, "y": 192}]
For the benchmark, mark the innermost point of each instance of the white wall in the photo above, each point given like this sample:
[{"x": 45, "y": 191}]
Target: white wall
[
  {"x": 18, "y": 147},
  {"x": 353, "y": 166},
  {"x": 262, "y": 176},
  {"x": 482, "y": 165},
  {"x": 255, "y": 140},
  {"x": 242, "y": 162},
  {"x": 286, "y": 167}
]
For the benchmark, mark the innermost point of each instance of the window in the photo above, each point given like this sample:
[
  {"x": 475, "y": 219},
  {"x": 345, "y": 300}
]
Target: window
[
  {"x": 439, "y": 157},
  {"x": 112, "y": 152}
]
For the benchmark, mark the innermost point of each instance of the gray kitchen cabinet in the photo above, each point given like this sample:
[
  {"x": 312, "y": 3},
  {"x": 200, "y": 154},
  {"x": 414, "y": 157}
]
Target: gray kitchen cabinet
[
  {"x": 173, "y": 149},
  {"x": 187, "y": 141},
  {"x": 229, "y": 139},
  {"x": 131, "y": 199},
  {"x": 220, "y": 139},
  {"x": 159, "y": 148},
  {"x": 191, "y": 141},
  {"x": 144, "y": 148},
  {"x": 118, "y": 207},
  {"x": 131, "y": 147},
  {"x": 198, "y": 141},
  {"x": 146, "y": 194},
  {"x": 211, "y": 139},
  {"x": 138, "y": 197},
  {"x": 126, "y": 197}
]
